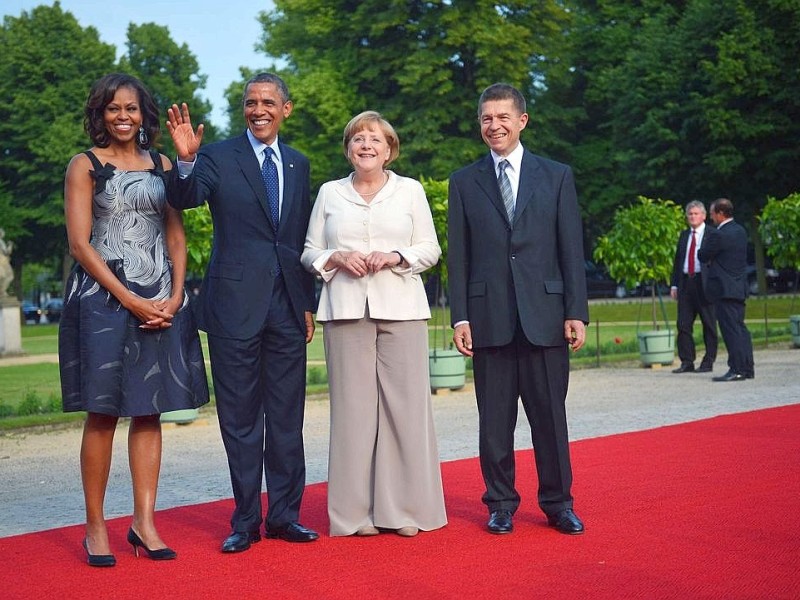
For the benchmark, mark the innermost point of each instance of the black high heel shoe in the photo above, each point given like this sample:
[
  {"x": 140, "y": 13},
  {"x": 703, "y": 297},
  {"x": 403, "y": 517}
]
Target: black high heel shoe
[
  {"x": 161, "y": 554},
  {"x": 98, "y": 560}
]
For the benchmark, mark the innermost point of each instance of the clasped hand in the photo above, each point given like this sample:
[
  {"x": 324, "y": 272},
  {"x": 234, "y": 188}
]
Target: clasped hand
[
  {"x": 154, "y": 314},
  {"x": 358, "y": 264}
]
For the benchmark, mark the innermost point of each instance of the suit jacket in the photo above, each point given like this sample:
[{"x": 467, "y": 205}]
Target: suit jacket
[
  {"x": 726, "y": 253},
  {"x": 246, "y": 252},
  {"x": 680, "y": 258},
  {"x": 398, "y": 218},
  {"x": 531, "y": 270}
]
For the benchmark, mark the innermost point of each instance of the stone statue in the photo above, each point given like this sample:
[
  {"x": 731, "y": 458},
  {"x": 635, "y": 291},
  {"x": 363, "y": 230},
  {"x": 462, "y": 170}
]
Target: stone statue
[{"x": 6, "y": 272}]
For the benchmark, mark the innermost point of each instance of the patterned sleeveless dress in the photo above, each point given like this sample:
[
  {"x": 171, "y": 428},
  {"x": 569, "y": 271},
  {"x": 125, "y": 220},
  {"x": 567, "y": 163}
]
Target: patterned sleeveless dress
[{"x": 108, "y": 364}]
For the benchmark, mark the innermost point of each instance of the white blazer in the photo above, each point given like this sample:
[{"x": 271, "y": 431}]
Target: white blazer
[{"x": 398, "y": 218}]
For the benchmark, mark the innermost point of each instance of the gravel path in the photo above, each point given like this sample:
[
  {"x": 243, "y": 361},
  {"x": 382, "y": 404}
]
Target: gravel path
[{"x": 40, "y": 484}]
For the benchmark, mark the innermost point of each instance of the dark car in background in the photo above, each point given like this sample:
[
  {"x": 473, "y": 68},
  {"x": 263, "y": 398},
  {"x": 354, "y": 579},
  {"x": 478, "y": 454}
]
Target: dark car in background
[
  {"x": 599, "y": 283},
  {"x": 30, "y": 312},
  {"x": 52, "y": 310}
]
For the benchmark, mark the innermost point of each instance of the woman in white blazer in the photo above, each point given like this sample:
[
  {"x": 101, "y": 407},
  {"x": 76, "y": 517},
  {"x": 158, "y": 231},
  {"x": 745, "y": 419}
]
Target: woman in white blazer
[{"x": 370, "y": 237}]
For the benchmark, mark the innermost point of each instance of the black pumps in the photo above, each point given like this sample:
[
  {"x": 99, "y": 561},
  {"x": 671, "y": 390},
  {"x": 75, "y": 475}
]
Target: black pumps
[
  {"x": 160, "y": 554},
  {"x": 98, "y": 560}
]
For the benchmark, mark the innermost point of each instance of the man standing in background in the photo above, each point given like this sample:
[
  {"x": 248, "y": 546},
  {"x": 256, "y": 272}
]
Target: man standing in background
[
  {"x": 689, "y": 278},
  {"x": 726, "y": 255}
]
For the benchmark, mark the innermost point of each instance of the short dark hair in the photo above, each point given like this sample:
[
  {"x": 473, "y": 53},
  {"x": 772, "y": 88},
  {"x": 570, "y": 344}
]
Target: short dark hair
[
  {"x": 101, "y": 95},
  {"x": 279, "y": 83},
  {"x": 723, "y": 206},
  {"x": 502, "y": 91}
]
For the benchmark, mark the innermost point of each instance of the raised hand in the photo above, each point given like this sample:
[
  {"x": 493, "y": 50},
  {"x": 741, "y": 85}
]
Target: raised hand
[{"x": 187, "y": 140}]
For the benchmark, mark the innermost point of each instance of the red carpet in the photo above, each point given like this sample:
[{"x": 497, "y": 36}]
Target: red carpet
[{"x": 702, "y": 510}]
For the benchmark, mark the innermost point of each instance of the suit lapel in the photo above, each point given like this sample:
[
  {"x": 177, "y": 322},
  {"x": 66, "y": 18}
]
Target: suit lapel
[
  {"x": 289, "y": 181},
  {"x": 486, "y": 178},
  {"x": 248, "y": 163},
  {"x": 527, "y": 183}
]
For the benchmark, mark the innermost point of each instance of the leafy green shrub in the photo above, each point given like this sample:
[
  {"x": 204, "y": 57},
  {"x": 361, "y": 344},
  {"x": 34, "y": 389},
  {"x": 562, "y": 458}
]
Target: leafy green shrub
[
  {"x": 6, "y": 410},
  {"x": 31, "y": 404},
  {"x": 316, "y": 376},
  {"x": 54, "y": 403}
]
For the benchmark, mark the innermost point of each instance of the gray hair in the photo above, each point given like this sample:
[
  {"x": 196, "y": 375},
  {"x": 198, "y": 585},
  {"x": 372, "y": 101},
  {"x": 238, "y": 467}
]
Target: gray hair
[{"x": 695, "y": 204}]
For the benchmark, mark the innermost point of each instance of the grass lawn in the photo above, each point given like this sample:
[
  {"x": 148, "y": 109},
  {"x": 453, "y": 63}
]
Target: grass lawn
[{"x": 35, "y": 389}]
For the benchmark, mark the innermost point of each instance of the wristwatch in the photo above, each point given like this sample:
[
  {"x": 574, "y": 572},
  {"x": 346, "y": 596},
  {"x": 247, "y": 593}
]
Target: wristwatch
[{"x": 402, "y": 258}]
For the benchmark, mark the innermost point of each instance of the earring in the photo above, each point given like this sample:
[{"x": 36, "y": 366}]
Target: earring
[{"x": 142, "y": 137}]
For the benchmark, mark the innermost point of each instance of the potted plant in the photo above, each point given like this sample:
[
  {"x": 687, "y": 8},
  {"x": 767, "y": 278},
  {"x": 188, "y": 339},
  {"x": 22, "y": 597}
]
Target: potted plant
[
  {"x": 639, "y": 249},
  {"x": 779, "y": 226},
  {"x": 447, "y": 365}
]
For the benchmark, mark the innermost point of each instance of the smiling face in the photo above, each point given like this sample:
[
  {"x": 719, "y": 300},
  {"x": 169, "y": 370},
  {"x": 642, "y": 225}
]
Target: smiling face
[
  {"x": 123, "y": 115},
  {"x": 368, "y": 149},
  {"x": 501, "y": 124},
  {"x": 264, "y": 110}
]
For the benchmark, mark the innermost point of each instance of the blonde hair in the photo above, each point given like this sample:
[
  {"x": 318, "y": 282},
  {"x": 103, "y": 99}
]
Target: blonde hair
[{"x": 363, "y": 121}]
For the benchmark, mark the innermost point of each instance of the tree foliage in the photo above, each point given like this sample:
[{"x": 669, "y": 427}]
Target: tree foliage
[
  {"x": 780, "y": 228},
  {"x": 691, "y": 99},
  {"x": 640, "y": 245},
  {"x": 421, "y": 64},
  {"x": 47, "y": 62},
  {"x": 171, "y": 73}
]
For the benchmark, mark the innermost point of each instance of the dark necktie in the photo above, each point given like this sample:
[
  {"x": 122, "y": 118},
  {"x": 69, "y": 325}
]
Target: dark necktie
[
  {"x": 505, "y": 190},
  {"x": 269, "y": 173},
  {"x": 692, "y": 249}
]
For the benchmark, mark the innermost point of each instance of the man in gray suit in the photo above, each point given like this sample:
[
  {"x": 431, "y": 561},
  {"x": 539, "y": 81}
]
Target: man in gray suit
[
  {"x": 518, "y": 303},
  {"x": 256, "y": 303}
]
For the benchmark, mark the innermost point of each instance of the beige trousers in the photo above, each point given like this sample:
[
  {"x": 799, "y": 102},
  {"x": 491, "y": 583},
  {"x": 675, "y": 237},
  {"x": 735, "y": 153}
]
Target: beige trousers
[{"x": 383, "y": 468}]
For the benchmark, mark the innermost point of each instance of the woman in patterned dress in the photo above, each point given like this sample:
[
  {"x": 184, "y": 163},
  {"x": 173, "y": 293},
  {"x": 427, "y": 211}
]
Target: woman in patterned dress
[{"x": 128, "y": 344}]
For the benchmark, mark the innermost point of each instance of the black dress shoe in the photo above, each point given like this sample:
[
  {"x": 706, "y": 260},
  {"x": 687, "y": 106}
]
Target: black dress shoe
[
  {"x": 239, "y": 541},
  {"x": 684, "y": 368},
  {"x": 500, "y": 522},
  {"x": 292, "y": 532},
  {"x": 730, "y": 376},
  {"x": 566, "y": 521},
  {"x": 704, "y": 369}
]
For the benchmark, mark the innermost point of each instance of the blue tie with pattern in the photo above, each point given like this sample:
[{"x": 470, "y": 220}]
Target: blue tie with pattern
[{"x": 269, "y": 173}]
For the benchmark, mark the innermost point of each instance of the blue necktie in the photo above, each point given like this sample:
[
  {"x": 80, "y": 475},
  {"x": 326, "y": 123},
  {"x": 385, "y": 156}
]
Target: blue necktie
[
  {"x": 505, "y": 190},
  {"x": 269, "y": 173}
]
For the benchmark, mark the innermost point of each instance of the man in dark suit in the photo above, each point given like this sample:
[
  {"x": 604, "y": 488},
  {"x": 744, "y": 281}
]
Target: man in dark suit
[
  {"x": 518, "y": 302},
  {"x": 726, "y": 255},
  {"x": 256, "y": 303},
  {"x": 688, "y": 287}
]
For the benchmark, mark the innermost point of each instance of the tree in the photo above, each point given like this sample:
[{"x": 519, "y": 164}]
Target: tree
[
  {"x": 779, "y": 225},
  {"x": 639, "y": 246},
  {"x": 421, "y": 64},
  {"x": 47, "y": 64},
  {"x": 691, "y": 99},
  {"x": 170, "y": 72}
]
